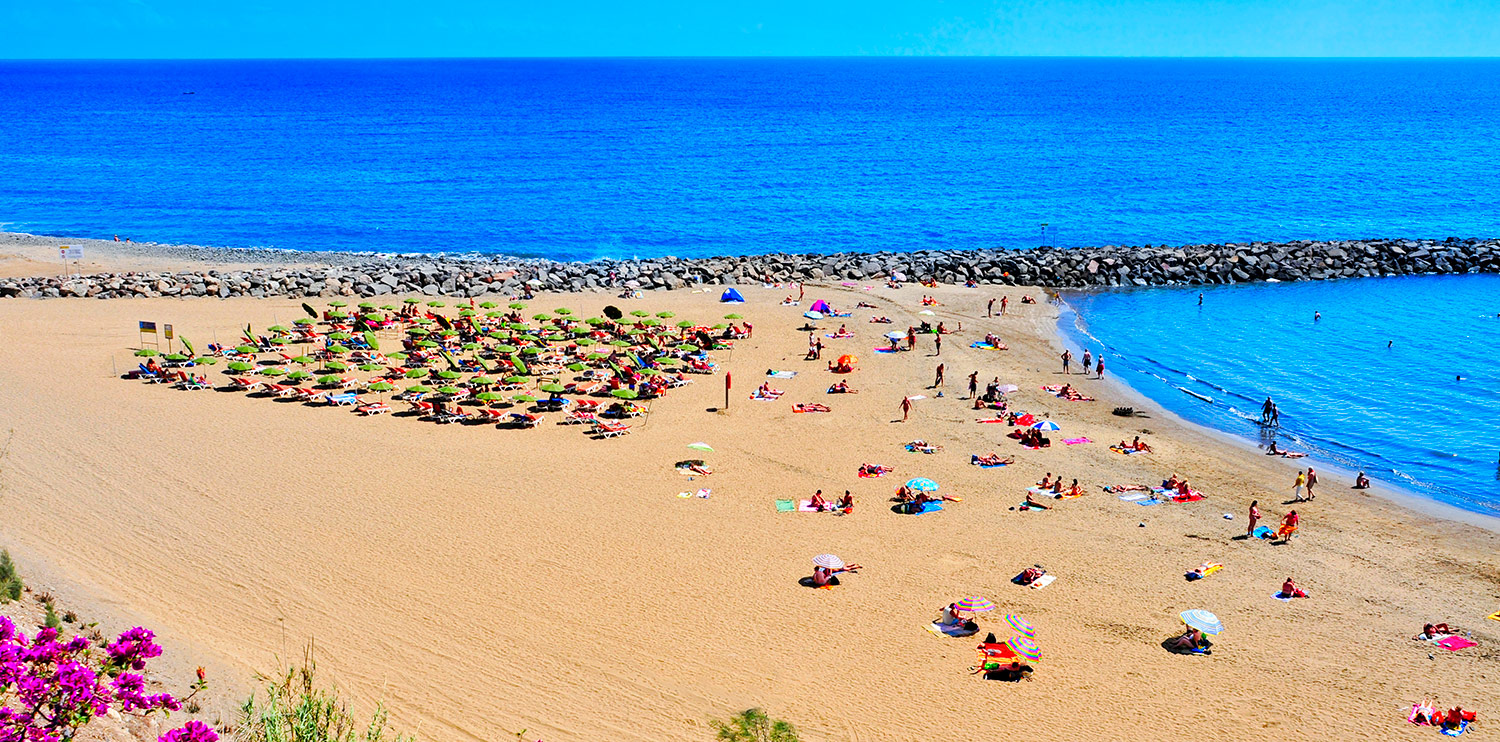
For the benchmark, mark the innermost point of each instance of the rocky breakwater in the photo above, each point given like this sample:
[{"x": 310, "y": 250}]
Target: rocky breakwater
[{"x": 1070, "y": 268}]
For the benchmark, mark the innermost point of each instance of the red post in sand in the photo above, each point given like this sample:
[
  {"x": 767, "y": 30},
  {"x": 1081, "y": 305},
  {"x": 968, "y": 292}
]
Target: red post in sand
[{"x": 728, "y": 382}]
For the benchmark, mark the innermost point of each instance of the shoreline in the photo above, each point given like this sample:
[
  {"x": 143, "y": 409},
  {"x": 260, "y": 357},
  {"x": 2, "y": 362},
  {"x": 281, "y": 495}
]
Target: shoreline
[
  {"x": 1392, "y": 493},
  {"x": 30, "y": 266}
]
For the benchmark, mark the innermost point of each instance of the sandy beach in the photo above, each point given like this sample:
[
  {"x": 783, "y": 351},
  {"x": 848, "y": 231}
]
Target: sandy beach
[{"x": 480, "y": 581}]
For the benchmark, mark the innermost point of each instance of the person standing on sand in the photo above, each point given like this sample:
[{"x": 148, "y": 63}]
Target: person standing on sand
[
  {"x": 1099, "y": 368},
  {"x": 1088, "y": 360},
  {"x": 905, "y": 408},
  {"x": 1297, "y": 486},
  {"x": 937, "y": 342},
  {"x": 1004, "y": 303},
  {"x": 1312, "y": 480},
  {"x": 1254, "y": 517},
  {"x": 989, "y": 309},
  {"x": 1067, "y": 359},
  {"x": 911, "y": 338},
  {"x": 938, "y": 380},
  {"x": 973, "y": 385}
]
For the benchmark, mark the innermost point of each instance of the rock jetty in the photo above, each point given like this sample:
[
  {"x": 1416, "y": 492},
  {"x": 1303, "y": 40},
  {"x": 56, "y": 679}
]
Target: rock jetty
[{"x": 290, "y": 275}]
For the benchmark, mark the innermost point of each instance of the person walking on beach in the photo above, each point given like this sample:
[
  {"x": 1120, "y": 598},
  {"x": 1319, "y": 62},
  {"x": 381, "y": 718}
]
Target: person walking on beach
[
  {"x": 937, "y": 342},
  {"x": 938, "y": 380},
  {"x": 1254, "y": 517},
  {"x": 1099, "y": 368},
  {"x": 1067, "y": 359},
  {"x": 1004, "y": 302},
  {"x": 1088, "y": 360},
  {"x": 905, "y": 408},
  {"x": 989, "y": 309},
  {"x": 1297, "y": 485},
  {"x": 973, "y": 385},
  {"x": 1312, "y": 480},
  {"x": 1269, "y": 414},
  {"x": 911, "y": 338}
]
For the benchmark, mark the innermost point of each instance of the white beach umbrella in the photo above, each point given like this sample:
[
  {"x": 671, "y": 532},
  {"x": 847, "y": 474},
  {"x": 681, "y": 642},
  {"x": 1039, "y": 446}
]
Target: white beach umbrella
[
  {"x": 1008, "y": 388},
  {"x": 828, "y": 561},
  {"x": 1045, "y": 425}
]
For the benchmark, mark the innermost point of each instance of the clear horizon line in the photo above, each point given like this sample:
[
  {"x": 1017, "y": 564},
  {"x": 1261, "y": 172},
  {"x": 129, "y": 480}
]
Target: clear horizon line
[{"x": 1252, "y": 57}]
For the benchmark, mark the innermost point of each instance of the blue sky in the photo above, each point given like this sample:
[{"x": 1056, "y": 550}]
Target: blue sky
[{"x": 503, "y": 28}]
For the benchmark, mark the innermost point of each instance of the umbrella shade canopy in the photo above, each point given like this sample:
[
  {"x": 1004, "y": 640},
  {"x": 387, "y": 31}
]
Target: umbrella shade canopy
[
  {"x": 1025, "y": 647},
  {"x": 340, "y": 336},
  {"x": 239, "y": 366},
  {"x": 412, "y": 300},
  {"x": 1045, "y": 425},
  {"x": 205, "y": 361},
  {"x": 276, "y": 328},
  {"x": 516, "y": 379},
  {"x": 974, "y": 603},
  {"x": 337, "y": 315},
  {"x": 516, "y": 305},
  {"x": 489, "y": 396},
  {"x": 336, "y": 366},
  {"x": 247, "y": 349},
  {"x": 397, "y": 356},
  {"x": 563, "y": 311},
  {"x": 434, "y": 304},
  {"x": 302, "y": 359},
  {"x": 845, "y": 360},
  {"x": 684, "y": 324},
  {"x": 415, "y": 373},
  {"x": 145, "y": 353},
  {"x": 624, "y": 394},
  {"x": 813, "y": 315},
  {"x": 665, "y": 315},
  {"x": 701, "y": 446},
  {"x": 1203, "y": 621},
  {"x": 275, "y": 371},
  {"x": 523, "y": 398},
  {"x": 418, "y": 389},
  {"x": 1021, "y": 625},
  {"x": 302, "y": 321},
  {"x": 448, "y": 390},
  {"x": 337, "y": 303},
  {"x": 894, "y": 335},
  {"x": 828, "y": 561},
  {"x": 381, "y": 386},
  {"x": 338, "y": 349},
  {"x": 329, "y": 379},
  {"x": 367, "y": 305},
  {"x": 370, "y": 367},
  {"x": 552, "y": 388},
  {"x": 576, "y": 367},
  {"x": 481, "y": 380},
  {"x": 921, "y": 484},
  {"x": 298, "y": 375},
  {"x": 733, "y": 315},
  {"x": 487, "y": 305},
  {"x": 449, "y": 374},
  {"x": 689, "y": 347}
]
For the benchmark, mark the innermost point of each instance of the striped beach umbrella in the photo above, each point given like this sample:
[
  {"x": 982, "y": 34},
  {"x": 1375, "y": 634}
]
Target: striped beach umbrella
[
  {"x": 1203, "y": 621},
  {"x": 974, "y": 603},
  {"x": 1045, "y": 425},
  {"x": 921, "y": 484},
  {"x": 828, "y": 561},
  {"x": 1021, "y": 625},
  {"x": 1025, "y": 647}
]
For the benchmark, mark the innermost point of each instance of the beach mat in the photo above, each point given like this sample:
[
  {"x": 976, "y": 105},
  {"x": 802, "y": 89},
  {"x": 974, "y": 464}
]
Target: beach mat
[
  {"x": 1076, "y": 441},
  {"x": 1277, "y": 595},
  {"x": 1263, "y": 532},
  {"x": 785, "y": 506},
  {"x": 1152, "y": 501},
  {"x": 805, "y": 506},
  {"x": 1132, "y": 497},
  {"x": 1463, "y": 726},
  {"x": 1455, "y": 643},
  {"x": 930, "y": 507},
  {"x": 781, "y": 374},
  {"x": 937, "y": 629},
  {"x": 1042, "y": 582}
]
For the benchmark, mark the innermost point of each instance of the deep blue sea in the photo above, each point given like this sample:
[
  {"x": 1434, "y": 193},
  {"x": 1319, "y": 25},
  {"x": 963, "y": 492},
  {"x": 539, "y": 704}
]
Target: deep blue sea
[
  {"x": 1399, "y": 412},
  {"x": 597, "y": 157}
]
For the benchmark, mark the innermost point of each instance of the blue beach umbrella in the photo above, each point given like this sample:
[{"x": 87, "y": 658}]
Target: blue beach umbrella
[
  {"x": 1045, "y": 425},
  {"x": 921, "y": 484},
  {"x": 1203, "y": 621}
]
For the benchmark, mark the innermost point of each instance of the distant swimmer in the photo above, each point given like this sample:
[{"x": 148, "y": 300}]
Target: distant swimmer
[
  {"x": 1389, "y": 343},
  {"x": 1200, "y": 300},
  {"x": 1317, "y": 316},
  {"x": 1269, "y": 415}
]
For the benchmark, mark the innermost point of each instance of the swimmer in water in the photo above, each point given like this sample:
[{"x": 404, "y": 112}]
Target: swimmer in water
[{"x": 1317, "y": 316}]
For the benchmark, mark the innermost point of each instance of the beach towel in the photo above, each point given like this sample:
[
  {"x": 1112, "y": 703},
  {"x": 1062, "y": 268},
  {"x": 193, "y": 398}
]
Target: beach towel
[
  {"x": 805, "y": 506},
  {"x": 1042, "y": 582},
  {"x": 1031, "y": 448},
  {"x": 785, "y": 506},
  {"x": 1263, "y": 532},
  {"x": 1125, "y": 451},
  {"x": 956, "y": 630},
  {"x": 1132, "y": 497},
  {"x": 1455, "y": 643},
  {"x": 1462, "y": 727},
  {"x": 990, "y": 466},
  {"x": 781, "y": 374},
  {"x": 930, "y": 507},
  {"x": 1283, "y": 598},
  {"x": 995, "y": 420},
  {"x": 1420, "y": 708},
  {"x": 1076, "y": 441},
  {"x": 1152, "y": 501},
  {"x": 916, "y": 397}
]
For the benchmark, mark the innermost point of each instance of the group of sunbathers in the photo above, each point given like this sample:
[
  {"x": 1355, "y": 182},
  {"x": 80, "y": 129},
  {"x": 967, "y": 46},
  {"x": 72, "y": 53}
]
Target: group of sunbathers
[
  {"x": 874, "y": 470},
  {"x": 825, "y": 577},
  {"x": 1454, "y": 719},
  {"x": 1066, "y": 391},
  {"x": 1177, "y": 485},
  {"x": 766, "y": 392},
  {"x": 921, "y": 446},
  {"x": 913, "y": 500},
  {"x": 1135, "y": 445},
  {"x": 842, "y": 388},
  {"x": 822, "y": 505},
  {"x": 1055, "y": 486},
  {"x": 1031, "y": 438},
  {"x": 842, "y": 333},
  {"x": 928, "y": 301}
]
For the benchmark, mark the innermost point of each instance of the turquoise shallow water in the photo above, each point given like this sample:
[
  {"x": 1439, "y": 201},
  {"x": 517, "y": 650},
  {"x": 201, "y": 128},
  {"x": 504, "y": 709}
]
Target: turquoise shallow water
[
  {"x": 1399, "y": 413},
  {"x": 583, "y": 158}
]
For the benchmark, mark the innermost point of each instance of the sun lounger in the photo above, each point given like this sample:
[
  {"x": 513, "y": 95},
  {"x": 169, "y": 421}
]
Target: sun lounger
[
  {"x": 281, "y": 390},
  {"x": 579, "y": 417},
  {"x": 374, "y": 408},
  {"x": 609, "y": 430},
  {"x": 525, "y": 419},
  {"x": 421, "y": 408},
  {"x": 493, "y": 415},
  {"x": 244, "y": 384},
  {"x": 343, "y": 400}
]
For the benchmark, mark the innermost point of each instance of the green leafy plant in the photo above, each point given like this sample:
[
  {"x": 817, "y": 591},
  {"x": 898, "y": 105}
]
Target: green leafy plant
[
  {"x": 51, "y": 620},
  {"x": 10, "y": 582},
  {"x": 293, "y": 707},
  {"x": 754, "y": 725}
]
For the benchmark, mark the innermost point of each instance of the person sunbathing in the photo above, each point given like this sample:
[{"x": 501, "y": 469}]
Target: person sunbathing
[
  {"x": 842, "y": 388},
  {"x": 1032, "y": 502},
  {"x": 698, "y": 468},
  {"x": 865, "y": 305},
  {"x": 991, "y": 459},
  {"x": 1046, "y": 481},
  {"x": 1456, "y": 717},
  {"x": 811, "y": 407},
  {"x": 817, "y": 502},
  {"x": 843, "y": 332},
  {"x": 825, "y": 577},
  {"x": 1433, "y": 631},
  {"x": 873, "y": 470},
  {"x": 1073, "y": 491},
  {"x": 1191, "y": 641},
  {"x": 1183, "y": 490},
  {"x": 841, "y": 368},
  {"x": 880, "y": 320},
  {"x": 1027, "y": 300},
  {"x": 1171, "y": 483},
  {"x": 846, "y": 503},
  {"x": 1289, "y": 589},
  {"x": 1139, "y": 445},
  {"x": 921, "y": 446},
  {"x": 789, "y": 302}
]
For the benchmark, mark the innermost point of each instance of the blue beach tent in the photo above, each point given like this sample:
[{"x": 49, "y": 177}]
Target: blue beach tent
[{"x": 730, "y": 295}]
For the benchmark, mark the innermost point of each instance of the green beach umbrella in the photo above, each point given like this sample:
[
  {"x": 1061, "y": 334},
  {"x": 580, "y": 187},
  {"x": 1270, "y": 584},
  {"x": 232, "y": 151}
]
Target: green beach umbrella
[
  {"x": 273, "y": 371},
  {"x": 448, "y": 374},
  {"x": 415, "y": 373},
  {"x": 689, "y": 347},
  {"x": 506, "y": 349},
  {"x": 338, "y": 349},
  {"x": 205, "y": 361},
  {"x": 329, "y": 379},
  {"x": 336, "y": 366},
  {"x": 552, "y": 388},
  {"x": 372, "y": 317},
  {"x": 277, "y": 328},
  {"x": 624, "y": 394},
  {"x": 370, "y": 367},
  {"x": 418, "y": 389},
  {"x": 596, "y": 356},
  {"x": 596, "y": 321},
  {"x": 336, "y": 304},
  {"x": 639, "y": 313},
  {"x": 495, "y": 314},
  {"x": 427, "y": 344},
  {"x": 449, "y": 390},
  {"x": 620, "y": 343},
  {"x": 247, "y": 349},
  {"x": 665, "y": 315},
  {"x": 684, "y": 324},
  {"x": 367, "y": 305},
  {"x": 564, "y": 311},
  {"x": 417, "y": 331},
  {"x": 381, "y": 386},
  {"x": 412, "y": 300},
  {"x": 516, "y": 380},
  {"x": 371, "y": 341},
  {"x": 576, "y": 367},
  {"x": 466, "y": 312},
  {"x": 337, "y": 315},
  {"x": 340, "y": 336},
  {"x": 540, "y": 316},
  {"x": 303, "y": 360},
  {"x": 650, "y": 372},
  {"x": 472, "y": 346},
  {"x": 489, "y": 396},
  {"x": 528, "y": 351},
  {"x": 298, "y": 375},
  {"x": 175, "y": 357},
  {"x": 585, "y": 342},
  {"x": 387, "y": 307},
  {"x": 720, "y": 326},
  {"x": 397, "y": 356},
  {"x": 280, "y": 340},
  {"x": 733, "y": 316},
  {"x": 517, "y": 306},
  {"x": 239, "y": 366},
  {"x": 651, "y": 322},
  {"x": 481, "y": 380},
  {"x": 488, "y": 305},
  {"x": 434, "y": 304},
  {"x": 523, "y": 398},
  {"x": 302, "y": 321}
]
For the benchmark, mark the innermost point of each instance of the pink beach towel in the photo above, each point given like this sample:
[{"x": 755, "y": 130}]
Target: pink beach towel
[
  {"x": 1076, "y": 441},
  {"x": 1455, "y": 643}
]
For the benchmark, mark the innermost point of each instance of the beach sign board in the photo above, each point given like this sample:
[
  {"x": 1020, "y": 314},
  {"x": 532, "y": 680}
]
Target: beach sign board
[
  {"x": 71, "y": 253},
  {"x": 148, "y": 327}
]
